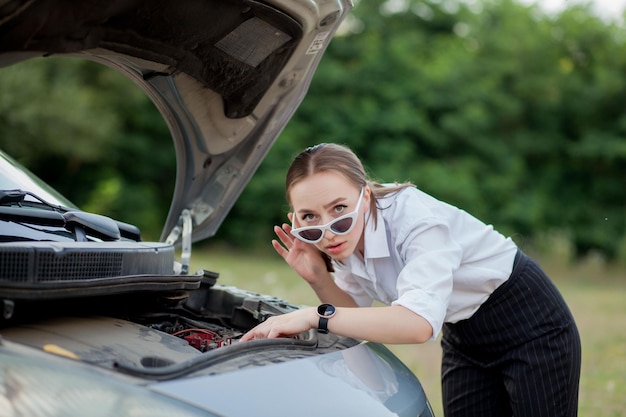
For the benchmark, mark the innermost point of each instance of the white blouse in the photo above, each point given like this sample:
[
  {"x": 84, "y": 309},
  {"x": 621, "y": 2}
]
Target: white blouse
[{"x": 428, "y": 256}]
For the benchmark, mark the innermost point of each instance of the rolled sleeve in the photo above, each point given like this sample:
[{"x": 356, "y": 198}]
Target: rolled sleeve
[
  {"x": 425, "y": 305},
  {"x": 431, "y": 257}
]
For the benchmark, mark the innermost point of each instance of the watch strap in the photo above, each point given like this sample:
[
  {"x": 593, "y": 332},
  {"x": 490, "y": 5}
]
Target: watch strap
[{"x": 322, "y": 325}]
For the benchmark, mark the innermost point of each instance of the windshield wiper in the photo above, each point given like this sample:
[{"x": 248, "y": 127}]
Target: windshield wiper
[
  {"x": 12, "y": 196},
  {"x": 80, "y": 223},
  {"x": 38, "y": 217}
]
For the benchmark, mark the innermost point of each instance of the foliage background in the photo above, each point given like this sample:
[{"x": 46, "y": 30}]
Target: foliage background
[{"x": 513, "y": 115}]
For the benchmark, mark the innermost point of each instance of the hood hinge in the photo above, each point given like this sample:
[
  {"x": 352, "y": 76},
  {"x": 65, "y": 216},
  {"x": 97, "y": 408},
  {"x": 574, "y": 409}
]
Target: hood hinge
[{"x": 182, "y": 230}]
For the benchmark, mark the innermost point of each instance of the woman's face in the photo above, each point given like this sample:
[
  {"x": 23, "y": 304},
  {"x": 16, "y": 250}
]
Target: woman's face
[{"x": 320, "y": 199}]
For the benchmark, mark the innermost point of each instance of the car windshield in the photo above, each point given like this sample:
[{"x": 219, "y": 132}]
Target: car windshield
[{"x": 14, "y": 176}]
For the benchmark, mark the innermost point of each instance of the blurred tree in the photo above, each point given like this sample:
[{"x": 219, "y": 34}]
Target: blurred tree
[
  {"x": 493, "y": 106},
  {"x": 119, "y": 154},
  {"x": 513, "y": 115}
]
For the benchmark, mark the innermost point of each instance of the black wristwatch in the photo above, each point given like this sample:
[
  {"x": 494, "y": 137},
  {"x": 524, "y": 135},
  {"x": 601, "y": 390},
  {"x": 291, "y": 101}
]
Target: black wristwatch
[{"x": 325, "y": 311}]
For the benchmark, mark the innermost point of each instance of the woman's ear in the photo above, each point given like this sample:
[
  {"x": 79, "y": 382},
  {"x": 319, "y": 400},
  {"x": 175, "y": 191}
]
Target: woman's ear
[{"x": 368, "y": 196}]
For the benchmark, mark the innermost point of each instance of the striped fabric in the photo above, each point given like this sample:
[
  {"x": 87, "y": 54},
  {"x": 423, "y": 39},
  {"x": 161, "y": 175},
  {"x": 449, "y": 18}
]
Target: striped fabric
[{"x": 518, "y": 355}]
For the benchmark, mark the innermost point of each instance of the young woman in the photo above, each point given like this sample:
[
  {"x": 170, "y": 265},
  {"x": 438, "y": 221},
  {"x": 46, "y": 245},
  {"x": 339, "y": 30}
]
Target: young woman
[{"x": 510, "y": 343}]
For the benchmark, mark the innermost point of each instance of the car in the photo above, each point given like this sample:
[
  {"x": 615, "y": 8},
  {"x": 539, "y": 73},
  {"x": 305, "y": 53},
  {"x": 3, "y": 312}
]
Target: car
[{"x": 97, "y": 322}]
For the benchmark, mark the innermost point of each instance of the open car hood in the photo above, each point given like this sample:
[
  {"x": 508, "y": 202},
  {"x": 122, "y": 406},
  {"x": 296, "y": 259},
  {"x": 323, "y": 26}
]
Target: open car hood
[{"x": 226, "y": 75}]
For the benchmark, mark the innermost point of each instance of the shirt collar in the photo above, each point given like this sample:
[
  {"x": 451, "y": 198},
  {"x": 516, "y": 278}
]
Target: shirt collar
[
  {"x": 375, "y": 246},
  {"x": 376, "y": 238}
]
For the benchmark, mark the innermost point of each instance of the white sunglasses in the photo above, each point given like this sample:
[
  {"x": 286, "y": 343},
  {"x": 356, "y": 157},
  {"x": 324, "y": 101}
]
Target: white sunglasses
[{"x": 340, "y": 226}]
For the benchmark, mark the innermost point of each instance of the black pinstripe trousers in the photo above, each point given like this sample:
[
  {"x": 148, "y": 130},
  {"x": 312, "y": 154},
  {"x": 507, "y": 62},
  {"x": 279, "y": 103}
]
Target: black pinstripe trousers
[{"x": 518, "y": 355}]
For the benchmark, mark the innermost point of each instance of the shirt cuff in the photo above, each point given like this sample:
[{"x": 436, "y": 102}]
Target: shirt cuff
[{"x": 426, "y": 306}]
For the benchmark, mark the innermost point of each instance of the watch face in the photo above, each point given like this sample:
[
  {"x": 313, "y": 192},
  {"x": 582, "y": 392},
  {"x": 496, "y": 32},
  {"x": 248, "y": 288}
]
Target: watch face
[{"x": 326, "y": 310}]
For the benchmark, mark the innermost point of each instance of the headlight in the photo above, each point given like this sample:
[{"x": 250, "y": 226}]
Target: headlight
[{"x": 36, "y": 387}]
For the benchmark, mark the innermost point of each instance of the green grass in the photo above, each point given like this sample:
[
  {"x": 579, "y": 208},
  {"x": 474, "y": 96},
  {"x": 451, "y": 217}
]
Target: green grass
[{"x": 595, "y": 293}]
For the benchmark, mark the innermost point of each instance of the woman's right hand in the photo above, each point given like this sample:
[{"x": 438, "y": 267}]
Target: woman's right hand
[{"x": 304, "y": 258}]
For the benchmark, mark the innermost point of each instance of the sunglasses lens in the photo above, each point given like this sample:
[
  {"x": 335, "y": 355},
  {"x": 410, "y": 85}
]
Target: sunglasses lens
[
  {"x": 311, "y": 234},
  {"x": 342, "y": 226}
]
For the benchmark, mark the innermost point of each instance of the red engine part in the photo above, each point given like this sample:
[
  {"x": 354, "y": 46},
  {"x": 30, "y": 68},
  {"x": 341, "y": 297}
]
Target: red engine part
[{"x": 203, "y": 339}]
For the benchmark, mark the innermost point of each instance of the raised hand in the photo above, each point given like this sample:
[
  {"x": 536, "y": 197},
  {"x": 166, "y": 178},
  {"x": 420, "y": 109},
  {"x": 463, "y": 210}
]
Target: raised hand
[{"x": 304, "y": 258}]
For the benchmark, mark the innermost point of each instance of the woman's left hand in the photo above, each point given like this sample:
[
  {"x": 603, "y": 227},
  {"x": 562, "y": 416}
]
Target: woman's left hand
[{"x": 284, "y": 325}]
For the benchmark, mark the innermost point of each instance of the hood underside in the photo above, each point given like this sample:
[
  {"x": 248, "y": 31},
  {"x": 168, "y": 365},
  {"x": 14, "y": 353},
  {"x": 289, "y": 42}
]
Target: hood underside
[{"x": 226, "y": 75}]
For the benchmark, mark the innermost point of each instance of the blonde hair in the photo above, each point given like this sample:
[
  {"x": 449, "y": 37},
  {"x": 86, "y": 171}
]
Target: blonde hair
[{"x": 334, "y": 157}]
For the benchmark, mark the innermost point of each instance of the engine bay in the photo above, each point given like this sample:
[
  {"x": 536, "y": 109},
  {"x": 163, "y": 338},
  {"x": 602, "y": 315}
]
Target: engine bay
[{"x": 155, "y": 335}]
